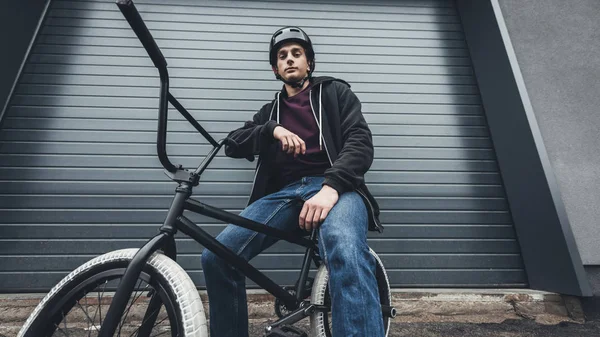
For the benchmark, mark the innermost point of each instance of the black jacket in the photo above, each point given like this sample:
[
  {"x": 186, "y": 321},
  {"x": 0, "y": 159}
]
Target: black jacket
[{"x": 347, "y": 139}]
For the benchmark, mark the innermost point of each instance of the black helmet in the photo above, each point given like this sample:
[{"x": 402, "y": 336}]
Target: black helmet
[{"x": 291, "y": 34}]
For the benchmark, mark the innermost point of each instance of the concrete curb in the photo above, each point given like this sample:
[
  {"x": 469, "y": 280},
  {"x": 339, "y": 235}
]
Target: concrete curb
[
  {"x": 413, "y": 306},
  {"x": 485, "y": 306},
  {"x": 462, "y": 306}
]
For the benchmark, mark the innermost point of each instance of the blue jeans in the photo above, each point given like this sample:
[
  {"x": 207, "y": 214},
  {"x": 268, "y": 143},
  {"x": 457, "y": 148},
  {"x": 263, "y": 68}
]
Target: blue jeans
[{"x": 343, "y": 245}]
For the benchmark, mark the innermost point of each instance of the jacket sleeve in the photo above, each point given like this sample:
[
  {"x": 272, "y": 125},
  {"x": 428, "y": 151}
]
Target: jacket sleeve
[
  {"x": 252, "y": 138},
  {"x": 356, "y": 155}
]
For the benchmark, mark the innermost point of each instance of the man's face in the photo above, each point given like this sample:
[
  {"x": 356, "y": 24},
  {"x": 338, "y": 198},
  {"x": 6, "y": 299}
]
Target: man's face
[{"x": 292, "y": 64}]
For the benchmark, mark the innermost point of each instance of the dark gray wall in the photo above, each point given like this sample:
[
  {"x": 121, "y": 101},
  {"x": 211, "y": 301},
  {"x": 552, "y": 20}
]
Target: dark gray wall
[
  {"x": 78, "y": 142},
  {"x": 18, "y": 22},
  {"x": 547, "y": 243},
  {"x": 557, "y": 44}
]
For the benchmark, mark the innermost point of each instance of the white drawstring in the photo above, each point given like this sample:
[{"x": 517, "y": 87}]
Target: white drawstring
[
  {"x": 278, "y": 107},
  {"x": 320, "y": 117},
  {"x": 320, "y": 120}
]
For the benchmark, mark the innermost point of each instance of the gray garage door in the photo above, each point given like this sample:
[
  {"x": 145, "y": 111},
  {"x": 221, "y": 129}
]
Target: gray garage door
[{"x": 78, "y": 170}]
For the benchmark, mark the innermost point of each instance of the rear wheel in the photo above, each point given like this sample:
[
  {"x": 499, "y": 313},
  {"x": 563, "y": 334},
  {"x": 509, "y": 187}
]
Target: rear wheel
[
  {"x": 77, "y": 305},
  {"x": 320, "y": 322}
]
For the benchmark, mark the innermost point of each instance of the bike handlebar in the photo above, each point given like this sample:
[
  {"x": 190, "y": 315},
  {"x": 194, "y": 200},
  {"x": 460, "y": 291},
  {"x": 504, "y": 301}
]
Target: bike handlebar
[{"x": 139, "y": 27}]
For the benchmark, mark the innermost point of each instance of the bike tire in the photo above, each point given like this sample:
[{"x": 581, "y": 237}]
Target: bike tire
[
  {"x": 177, "y": 292},
  {"x": 320, "y": 321}
]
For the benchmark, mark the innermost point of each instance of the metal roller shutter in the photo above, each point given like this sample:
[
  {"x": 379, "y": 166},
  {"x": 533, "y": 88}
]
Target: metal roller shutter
[{"x": 79, "y": 174}]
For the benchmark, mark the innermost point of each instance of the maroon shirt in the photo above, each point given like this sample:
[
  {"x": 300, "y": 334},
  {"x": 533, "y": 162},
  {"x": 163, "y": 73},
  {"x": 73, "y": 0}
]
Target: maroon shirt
[{"x": 295, "y": 114}]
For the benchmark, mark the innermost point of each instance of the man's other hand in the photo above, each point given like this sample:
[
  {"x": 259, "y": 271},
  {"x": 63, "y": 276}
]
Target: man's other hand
[
  {"x": 290, "y": 142},
  {"x": 315, "y": 209}
]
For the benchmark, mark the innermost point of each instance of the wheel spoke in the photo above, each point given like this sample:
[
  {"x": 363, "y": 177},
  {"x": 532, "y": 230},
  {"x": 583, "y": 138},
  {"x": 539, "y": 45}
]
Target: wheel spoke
[
  {"x": 135, "y": 298},
  {"x": 129, "y": 308},
  {"x": 95, "y": 313},
  {"x": 162, "y": 320},
  {"x": 65, "y": 322},
  {"x": 100, "y": 300},
  {"x": 155, "y": 324},
  {"x": 87, "y": 314},
  {"x": 142, "y": 324},
  {"x": 162, "y": 333},
  {"x": 89, "y": 318},
  {"x": 61, "y": 330}
]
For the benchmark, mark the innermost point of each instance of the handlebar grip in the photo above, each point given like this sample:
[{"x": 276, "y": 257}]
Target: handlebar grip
[{"x": 139, "y": 27}]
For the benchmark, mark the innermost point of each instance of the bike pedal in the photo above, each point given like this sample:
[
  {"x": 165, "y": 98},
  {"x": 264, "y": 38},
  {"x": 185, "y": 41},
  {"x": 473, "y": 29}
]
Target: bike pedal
[{"x": 286, "y": 331}]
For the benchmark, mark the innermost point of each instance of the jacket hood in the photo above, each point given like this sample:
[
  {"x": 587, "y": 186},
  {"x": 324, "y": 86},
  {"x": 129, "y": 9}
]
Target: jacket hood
[
  {"x": 323, "y": 79},
  {"x": 315, "y": 81}
]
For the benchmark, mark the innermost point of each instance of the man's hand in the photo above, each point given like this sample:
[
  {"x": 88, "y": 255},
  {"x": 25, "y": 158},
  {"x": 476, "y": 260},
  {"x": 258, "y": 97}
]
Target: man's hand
[
  {"x": 315, "y": 209},
  {"x": 290, "y": 142}
]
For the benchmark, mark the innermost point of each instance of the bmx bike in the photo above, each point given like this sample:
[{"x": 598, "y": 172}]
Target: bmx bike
[{"x": 144, "y": 292}]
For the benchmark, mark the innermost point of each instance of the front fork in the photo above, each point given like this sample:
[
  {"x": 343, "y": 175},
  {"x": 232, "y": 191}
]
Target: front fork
[
  {"x": 155, "y": 303},
  {"x": 164, "y": 241}
]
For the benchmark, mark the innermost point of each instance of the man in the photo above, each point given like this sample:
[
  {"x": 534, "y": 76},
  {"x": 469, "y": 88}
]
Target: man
[{"x": 313, "y": 148}]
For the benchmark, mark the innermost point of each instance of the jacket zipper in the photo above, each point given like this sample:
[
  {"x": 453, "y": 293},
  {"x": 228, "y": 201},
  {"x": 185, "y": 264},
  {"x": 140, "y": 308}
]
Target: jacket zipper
[
  {"x": 331, "y": 163},
  {"x": 320, "y": 126},
  {"x": 259, "y": 164},
  {"x": 372, "y": 209},
  {"x": 253, "y": 182}
]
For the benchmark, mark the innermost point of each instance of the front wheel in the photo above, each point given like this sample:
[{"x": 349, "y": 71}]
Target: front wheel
[
  {"x": 320, "y": 322},
  {"x": 78, "y": 303}
]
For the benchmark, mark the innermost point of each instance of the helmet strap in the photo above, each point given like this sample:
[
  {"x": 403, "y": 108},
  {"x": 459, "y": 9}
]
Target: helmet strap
[{"x": 293, "y": 84}]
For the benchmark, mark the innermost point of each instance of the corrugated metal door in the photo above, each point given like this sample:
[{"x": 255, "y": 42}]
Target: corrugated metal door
[{"x": 79, "y": 173}]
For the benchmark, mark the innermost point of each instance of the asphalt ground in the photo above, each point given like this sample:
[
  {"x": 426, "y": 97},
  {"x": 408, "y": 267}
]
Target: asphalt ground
[{"x": 509, "y": 328}]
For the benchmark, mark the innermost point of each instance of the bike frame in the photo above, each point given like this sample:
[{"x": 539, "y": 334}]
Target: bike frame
[{"x": 175, "y": 219}]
